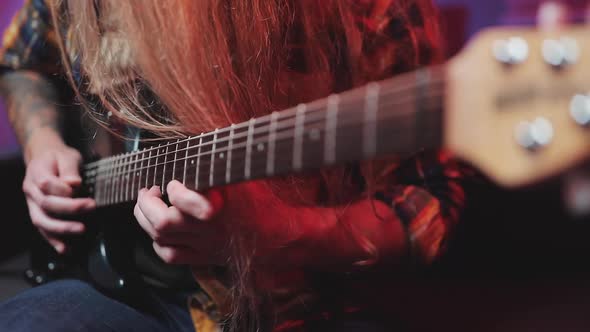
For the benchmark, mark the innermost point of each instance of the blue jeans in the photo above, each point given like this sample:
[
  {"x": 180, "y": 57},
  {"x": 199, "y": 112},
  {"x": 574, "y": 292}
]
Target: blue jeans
[{"x": 73, "y": 305}]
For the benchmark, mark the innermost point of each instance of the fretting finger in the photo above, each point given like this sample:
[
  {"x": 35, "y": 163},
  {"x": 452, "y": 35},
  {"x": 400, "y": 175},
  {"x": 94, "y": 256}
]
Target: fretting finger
[
  {"x": 162, "y": 217},
  {"x": 144, "y": 222},
  {"x": 190, "y": 202}
]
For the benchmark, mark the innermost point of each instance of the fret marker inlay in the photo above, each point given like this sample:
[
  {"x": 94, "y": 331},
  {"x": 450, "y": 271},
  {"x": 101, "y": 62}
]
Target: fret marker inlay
[
  {"x": 331, "y": 127},
  {"x": 272, "y": 137},
  {"x": 212, "y": 166},
  {"x": 370, "y": 128},
  {"x": 247, "y": 168},
  {"x": 298, "y": 139},
  {"x": 230, "y": 145}
]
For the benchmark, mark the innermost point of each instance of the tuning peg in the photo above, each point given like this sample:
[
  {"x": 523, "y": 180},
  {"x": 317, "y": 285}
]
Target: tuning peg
[
  {"x": 580, "y": 109},
  {"x": 534, "y": 135},
  {"x": 559, "y": 53},
  {"x": 511, "y": 51}
]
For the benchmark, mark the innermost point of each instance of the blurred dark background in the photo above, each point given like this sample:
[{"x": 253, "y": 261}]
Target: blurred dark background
[{"x": 515, "y": 252}]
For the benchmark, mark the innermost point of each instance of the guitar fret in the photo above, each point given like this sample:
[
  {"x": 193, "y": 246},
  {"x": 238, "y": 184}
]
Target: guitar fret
[
  {"x": 120, "y": 179},
  {"x": 103, "y": 168},
  {"x": 125, "y": 179},
  {"x": 197, "y": 172},
  {"x": 370, "y": 120},
  {"x": 163, "y": 185},
  {"x": 229, "y": 154},
  {"x": 147, "y": 170},
  {"x": 188, "y": 142},
  {"x": 116, "y": 180},
  {"x": 120, "y": 184},
  {"x": 248, "y": 165},
  {"x": 133, "y": 175},
  {"x": 111, "y": 180},
  {"x": 298, "y": 136},
  {"x": 157, "y": 157},
  {"x": 282, "y": 142},
  {"x": 272, "y": 137},
  {"x": 139, "y": 171},
  {"x": 211, "y": 166},
  {"x": 108, "y": 180},
  {"x": 331, "y": 127},
  {"x": 99, "y": 184},
  {"x": 175, "y": 159},
  {"x": 140, "y": 157},
  {"x": 128, "y": 176}
]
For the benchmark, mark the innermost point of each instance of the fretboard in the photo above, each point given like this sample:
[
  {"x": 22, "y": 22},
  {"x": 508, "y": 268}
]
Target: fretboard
[{"x": 396, "y": 116}]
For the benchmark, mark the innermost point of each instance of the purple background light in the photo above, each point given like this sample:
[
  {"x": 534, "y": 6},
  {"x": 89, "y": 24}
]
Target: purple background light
[{"x": 8, "y": 144}]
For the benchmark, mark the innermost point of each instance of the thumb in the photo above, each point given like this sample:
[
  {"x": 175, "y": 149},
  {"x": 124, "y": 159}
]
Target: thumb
[{"x": 69, "y": 169}]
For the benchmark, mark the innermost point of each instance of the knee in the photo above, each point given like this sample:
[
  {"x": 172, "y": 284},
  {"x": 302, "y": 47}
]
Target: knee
[{"x": 46, "y": 308}]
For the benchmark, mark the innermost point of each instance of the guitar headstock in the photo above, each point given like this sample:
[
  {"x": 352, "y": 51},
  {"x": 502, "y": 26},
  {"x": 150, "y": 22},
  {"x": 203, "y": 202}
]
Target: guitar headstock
[{"x": 518, "y": 103}]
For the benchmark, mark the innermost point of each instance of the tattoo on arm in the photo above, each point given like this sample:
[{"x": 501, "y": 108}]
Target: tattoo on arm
[{"x": 31, "y": 103}]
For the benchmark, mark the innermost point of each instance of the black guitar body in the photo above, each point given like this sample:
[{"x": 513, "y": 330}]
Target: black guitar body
[
  {"x": 103, "y": 256},
  {"x": 114, "y": 255},
  {"x": 110, "y": 259}
]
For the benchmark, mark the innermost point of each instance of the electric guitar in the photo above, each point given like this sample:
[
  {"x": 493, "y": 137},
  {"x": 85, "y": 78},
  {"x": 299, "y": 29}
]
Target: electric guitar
[{"x": 514, "y": 103}]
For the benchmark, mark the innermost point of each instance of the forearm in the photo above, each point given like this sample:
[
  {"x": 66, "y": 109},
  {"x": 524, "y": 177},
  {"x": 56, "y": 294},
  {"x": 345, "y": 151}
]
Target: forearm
[{"x": 32, "y": 109}]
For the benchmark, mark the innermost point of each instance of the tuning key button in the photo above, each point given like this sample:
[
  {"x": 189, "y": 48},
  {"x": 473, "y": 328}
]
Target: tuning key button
[
  {"x": 580, "y": 109},
  {"x": 534, "y": 135},
  {"x": 562, "y": 52},
  {"x": 511, "y": 51}
]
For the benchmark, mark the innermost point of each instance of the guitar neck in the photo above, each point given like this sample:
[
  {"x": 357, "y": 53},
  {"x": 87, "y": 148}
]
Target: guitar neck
[{"x": 396, "y": 116}]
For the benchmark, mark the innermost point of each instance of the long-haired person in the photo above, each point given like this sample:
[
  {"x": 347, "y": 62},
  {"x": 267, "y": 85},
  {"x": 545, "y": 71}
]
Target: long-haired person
[{"x": 320, "y": 251}]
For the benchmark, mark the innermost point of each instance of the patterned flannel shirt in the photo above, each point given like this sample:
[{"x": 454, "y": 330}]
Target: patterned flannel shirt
[{"x": 425, "y": 191}]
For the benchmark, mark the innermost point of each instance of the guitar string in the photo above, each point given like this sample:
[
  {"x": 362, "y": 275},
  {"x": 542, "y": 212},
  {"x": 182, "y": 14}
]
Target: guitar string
[
  {"x": 257, "y": 131},
  {"x": 122, "y": 189},
  {"x": 122, "y": 181},
  {"x": 435, "y": 74},
  {"x": 123, "y": 194},
  {"x": 286, "y": 115},
  {"x": 116, "y": 172},
  {"x": 126, "y": 170},
  {"x": 127, "y": 160},
  {"x": 283, "y": 135}
]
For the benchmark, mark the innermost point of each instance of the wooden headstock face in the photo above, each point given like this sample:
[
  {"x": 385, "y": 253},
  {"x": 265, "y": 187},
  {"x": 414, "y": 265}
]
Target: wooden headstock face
[{"x": 518, "y": 103}]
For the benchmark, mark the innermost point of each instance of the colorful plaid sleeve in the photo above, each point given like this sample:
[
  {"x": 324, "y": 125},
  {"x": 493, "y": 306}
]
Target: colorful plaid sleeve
[
  {"x": 425, "y": 192},
  {"x": 398, "y": 36},
  {"x": 30, "y": 41}
]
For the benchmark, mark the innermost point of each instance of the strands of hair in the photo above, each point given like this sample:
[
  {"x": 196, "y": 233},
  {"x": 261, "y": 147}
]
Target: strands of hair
[{"x": 212, "y": 63}]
